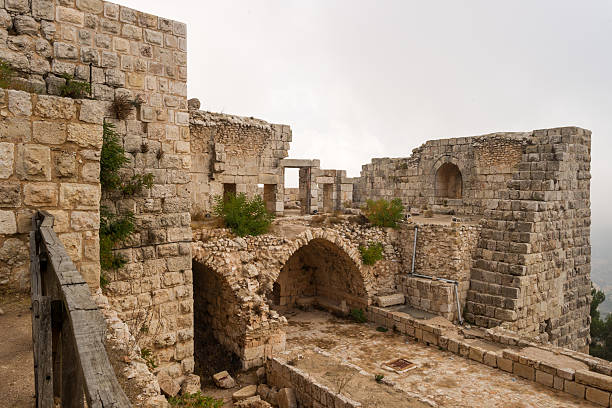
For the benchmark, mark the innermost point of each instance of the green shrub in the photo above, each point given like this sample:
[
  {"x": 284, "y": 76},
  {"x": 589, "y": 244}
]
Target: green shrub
[
  {"x": 113, "y": 229},
  {"x": 196, "y": 400},
  {"x": 74, "y": 89},
  {"x": 242, "y": 215},
  {"x": 371, "y": 253},
  {"x": 358, "y": 315},
  {"x": 378, "y": 378},
  {"x": 112, "y": 159},
  {"x": 148, "y": 357},
  {"x": 383, "y": 213},
  {"x": 7, "y": 73},
  {"x": 382, "y": 329}
]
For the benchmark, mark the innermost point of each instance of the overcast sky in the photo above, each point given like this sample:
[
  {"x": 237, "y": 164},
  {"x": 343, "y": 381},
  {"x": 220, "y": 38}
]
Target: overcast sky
[{"x": 362, "y": 79}]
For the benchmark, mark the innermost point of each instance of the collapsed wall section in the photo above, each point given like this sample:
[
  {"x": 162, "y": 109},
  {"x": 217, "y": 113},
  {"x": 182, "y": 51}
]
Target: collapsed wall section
[
  {"x": 459, "y": 176},
  {"x": 238, "y": 155}
]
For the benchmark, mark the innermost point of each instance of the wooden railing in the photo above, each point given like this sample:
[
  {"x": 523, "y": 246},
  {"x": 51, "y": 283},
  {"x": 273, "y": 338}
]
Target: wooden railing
[{"x": 70, "y": 361}]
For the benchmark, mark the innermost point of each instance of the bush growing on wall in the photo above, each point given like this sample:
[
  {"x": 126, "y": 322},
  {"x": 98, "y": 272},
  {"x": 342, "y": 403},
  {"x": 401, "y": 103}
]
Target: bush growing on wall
[
  {"x": 371, "y": 253},
  {"x": 242, "y": 215},
  {"x": 115, "y": 228},
  {"x": 383, "y": 213}
]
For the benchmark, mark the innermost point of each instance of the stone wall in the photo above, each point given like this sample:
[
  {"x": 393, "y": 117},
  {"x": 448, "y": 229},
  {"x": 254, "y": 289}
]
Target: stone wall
[
  {"x": 249, "y": 267},
  {"x": 235, "y": 154},
  {"x": 49, "y": 160},
  {"x": 143, "y": 57},
  {"x": 485, "y": 164},
  {"x": 532, "y": 265}
]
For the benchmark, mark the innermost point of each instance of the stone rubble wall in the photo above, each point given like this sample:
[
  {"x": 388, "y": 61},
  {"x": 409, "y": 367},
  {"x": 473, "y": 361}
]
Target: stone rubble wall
[
  {"x": 49, "y": 160},
  {"x": 486, "y": 163},
  {"x": 578, "y": 374},
  {"x": 143, "y": 57},
  {"x": 532, "y": 266},
  {"x": 250, "y": 266},
  {"x": 229, "y": 149}
]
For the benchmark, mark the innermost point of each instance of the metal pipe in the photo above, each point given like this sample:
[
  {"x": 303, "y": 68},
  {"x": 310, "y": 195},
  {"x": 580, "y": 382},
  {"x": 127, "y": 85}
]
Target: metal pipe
[
  {"x": 416, "y": 231},
  {"x": 454, "y": 282}
]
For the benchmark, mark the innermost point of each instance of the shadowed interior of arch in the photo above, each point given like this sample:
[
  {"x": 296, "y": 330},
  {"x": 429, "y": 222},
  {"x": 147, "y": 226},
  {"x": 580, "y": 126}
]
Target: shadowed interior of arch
[
  {"x": 320, "y": 273},
  {"x": 449, "y": 182},
  {"x": 217, "y": 337}
]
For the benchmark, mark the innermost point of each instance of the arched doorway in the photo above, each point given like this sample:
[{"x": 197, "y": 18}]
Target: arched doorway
[
  {"x": 449, "y": 182},
  {"x": 321, "y": 273},
  {"x": 217, "y": 331}
]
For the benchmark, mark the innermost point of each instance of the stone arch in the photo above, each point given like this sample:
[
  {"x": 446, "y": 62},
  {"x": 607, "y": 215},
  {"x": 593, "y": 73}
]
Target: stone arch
[
  {"x": 321, "y": 267},
  {"x": 448, "y": 179},
  {"x": 218, "y": 334}
]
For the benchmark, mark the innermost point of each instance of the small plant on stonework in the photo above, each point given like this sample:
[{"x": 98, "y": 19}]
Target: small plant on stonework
[
  {"x": 112, "y": 159},
  {"x": 148, "y": 357},
  {"x": 113, "y": 229},
  {"x": 136, "y": 184},
  {"x": 74, "y": 89},
  {"x": 358, "y": 315},
  {"x": 383, "y": 213},
  {"x": 195, "y": 400},
  {"x": 7, "y": 73},
  {"x": 378, "y": 378},
  {"x": 243, "y": 215},
  {"x": 371, "y": 253},
  {"x": 103, "y": 280},
  {"x": 122, "y": 106},
  {"x": 382, "y": 329}
]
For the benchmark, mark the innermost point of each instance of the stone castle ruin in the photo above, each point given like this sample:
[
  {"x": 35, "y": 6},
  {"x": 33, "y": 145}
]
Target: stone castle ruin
[{"x": 497, "y": 229}]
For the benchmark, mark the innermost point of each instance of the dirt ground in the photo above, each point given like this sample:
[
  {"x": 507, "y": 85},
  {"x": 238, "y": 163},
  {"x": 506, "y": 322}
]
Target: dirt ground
[
  {"x": 330, "y": 346},
  {"x": 16, "y": 360}
]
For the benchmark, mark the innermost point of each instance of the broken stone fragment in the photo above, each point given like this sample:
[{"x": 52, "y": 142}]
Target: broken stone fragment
[
  {"x": 167, "y": 384},
  {"x": 252, "y": 402},
  {"x": 244, "y": 393},
  {"x": 224, "y": 380},
  {"x": 261, "y": 375},
  {"x": 191, "y": 384},
  {"x": 286, "y": 398}
]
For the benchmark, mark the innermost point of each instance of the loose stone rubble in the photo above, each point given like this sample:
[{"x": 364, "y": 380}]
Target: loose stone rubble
[{"x": 503, "y": 242}]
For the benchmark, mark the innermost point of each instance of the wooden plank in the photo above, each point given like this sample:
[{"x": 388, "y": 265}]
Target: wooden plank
[
  {"x": 42, "y": 341},
  {"x": 72, "y": 380},
  {"x": 101, "y": 385}
]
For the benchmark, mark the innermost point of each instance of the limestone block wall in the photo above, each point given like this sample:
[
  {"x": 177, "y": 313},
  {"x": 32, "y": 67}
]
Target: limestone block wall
[
  {"x": 532, "y": 266},
  {"x": 485, "y": 164},
  {"x": 333, "y": 190},
  {"x": 142, "y": 56},
  {"x": 50, "y": 160},
  {"x": 442, "y": 251},
  {"x": 238, "y": 154}
]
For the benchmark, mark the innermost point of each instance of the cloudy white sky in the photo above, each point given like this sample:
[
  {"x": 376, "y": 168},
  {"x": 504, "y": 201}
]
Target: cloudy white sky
[{"x": 361, "y": 79}]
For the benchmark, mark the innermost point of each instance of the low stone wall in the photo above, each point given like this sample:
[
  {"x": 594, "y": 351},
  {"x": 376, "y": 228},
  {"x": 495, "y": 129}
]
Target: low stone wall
[
  {"x": 433, "y": 296},
  {"x": 308, "y": 392},
  {"x": 561, "y": 369}
]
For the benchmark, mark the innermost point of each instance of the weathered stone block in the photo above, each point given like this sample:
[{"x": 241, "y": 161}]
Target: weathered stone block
[
  {"x": 19, "y": 103},
  {"x": 49, "y": 132},
  {"x": 33, "y": 162},
  {"x": 86, "y": 135},
  {"x": 40, "y": 194},
  {"x": 90, "y": 6},
  {"x": 79, "y": 196},
  {"x": 8, "y": 222},
  {"x": 7, "y": 159},
  {"x": 595, "y": 379},
  {"x": 85, "y": 220},
  {"x": 54, "y": 107},
  {"x": 575, "y": 389},
  {"x": 93, "y": 111}
]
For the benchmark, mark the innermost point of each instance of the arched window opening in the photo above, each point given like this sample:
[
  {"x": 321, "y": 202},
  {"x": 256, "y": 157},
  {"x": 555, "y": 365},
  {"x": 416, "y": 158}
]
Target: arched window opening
[{"x": 449, "y": 182}]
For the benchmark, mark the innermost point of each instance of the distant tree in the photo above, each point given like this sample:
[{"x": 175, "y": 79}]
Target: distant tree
[
  {"x": 601, "y": 330},
  {"x": 383, "y": 213}
]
